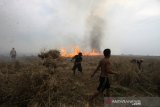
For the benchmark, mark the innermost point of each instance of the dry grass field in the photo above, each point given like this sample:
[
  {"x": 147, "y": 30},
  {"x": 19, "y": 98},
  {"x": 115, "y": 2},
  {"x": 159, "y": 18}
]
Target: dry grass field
[{"x": 27, "y": 83}]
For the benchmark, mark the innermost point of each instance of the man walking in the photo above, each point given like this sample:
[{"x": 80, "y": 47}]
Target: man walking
[
  {"x": 105, "y": 67},
  {"x": 77, "y": 63},
  {"x": 13, "y": 54}
]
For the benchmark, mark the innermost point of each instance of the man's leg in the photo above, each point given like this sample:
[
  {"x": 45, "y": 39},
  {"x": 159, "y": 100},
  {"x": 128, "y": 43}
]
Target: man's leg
[
  {"x": 99, "y": 89},
  {"x": 107, "y": 87},
  {"x": 107, "y": 93},
  {"x": 96, "y": 94},
  {"x": 79, "y": 68},
  {"x": 74, "y": 69}
]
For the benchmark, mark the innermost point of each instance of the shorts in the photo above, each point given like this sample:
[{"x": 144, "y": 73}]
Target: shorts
[{"x": 104, "y": 84}]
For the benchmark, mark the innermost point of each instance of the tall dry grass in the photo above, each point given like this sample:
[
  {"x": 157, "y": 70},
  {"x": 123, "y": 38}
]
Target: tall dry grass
[{"x": 27, "y": 83}]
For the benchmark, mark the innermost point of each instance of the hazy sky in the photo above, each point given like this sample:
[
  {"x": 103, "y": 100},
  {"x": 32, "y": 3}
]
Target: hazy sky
[{"x": 131, "y": 26}]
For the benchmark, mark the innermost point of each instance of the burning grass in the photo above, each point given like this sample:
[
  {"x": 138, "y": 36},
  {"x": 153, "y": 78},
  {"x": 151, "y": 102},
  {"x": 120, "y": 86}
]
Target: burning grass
[
  {"x": 76, "y": 51},
  {"x": 29, "y": 83}
]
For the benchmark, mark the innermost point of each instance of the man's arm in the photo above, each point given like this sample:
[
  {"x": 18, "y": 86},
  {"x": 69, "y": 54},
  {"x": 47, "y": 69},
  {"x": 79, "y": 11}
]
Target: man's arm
[
  {"x": 73, "y": 58},
  {"x": 109, "y": 70},
  {"x": 98, "y": 67}
]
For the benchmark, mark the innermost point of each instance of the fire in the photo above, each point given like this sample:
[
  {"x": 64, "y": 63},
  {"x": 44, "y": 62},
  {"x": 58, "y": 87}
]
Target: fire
[{"x": 64, "y": 52}]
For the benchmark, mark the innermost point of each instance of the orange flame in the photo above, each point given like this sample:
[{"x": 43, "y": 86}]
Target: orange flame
[{"x": 64, "y": 53}]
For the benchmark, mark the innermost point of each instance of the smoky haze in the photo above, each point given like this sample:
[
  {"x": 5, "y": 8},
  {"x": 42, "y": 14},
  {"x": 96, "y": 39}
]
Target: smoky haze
[{"x": 124, "y": 26}]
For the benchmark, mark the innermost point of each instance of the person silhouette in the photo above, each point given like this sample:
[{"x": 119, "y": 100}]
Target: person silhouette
[{"x": 13, "y": 54}]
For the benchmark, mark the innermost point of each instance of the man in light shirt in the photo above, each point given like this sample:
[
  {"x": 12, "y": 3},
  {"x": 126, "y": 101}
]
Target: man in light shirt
[{"x": 13, "y": 54}]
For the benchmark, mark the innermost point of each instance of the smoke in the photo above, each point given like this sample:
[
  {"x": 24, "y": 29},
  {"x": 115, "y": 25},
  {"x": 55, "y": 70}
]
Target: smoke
[
  {"x": 89, "y": 24},
  {"x": 96, "y": 24},
  {"x": 96, "y": 32}
]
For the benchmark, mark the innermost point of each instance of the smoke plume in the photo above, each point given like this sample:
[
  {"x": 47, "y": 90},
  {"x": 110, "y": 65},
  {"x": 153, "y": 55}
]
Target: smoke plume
[
  {"x": 96, "y": 32},
  {"x": 96, "y": 24}
]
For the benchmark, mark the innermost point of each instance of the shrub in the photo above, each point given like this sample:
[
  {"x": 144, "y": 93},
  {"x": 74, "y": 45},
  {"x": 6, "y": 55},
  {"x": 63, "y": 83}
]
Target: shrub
[{"x": 51, "y": 53}]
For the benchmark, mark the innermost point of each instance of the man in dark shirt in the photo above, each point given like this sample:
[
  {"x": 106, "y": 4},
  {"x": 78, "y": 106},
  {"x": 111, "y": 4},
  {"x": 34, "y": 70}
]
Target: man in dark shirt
[{"x": 77, "y": 63}]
